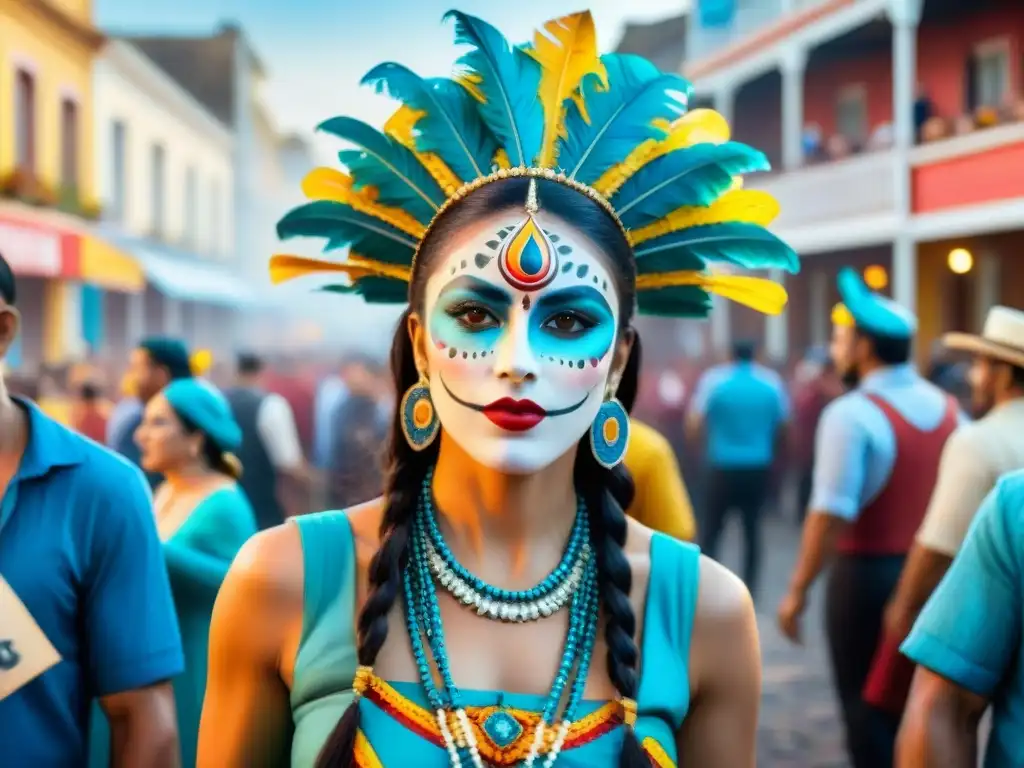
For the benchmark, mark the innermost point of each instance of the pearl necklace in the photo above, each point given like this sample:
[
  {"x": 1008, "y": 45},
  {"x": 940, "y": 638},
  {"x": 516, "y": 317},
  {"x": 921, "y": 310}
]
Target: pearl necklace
[
  {"x": 426, "y": 633},
  {"x": 501, "y": 610}
]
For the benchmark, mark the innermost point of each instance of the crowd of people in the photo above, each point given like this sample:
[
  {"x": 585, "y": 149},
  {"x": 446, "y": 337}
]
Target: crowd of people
[{"x": 505, "y": 575}]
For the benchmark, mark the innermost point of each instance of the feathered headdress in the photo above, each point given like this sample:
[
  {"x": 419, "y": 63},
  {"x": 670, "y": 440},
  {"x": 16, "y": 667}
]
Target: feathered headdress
[{"x": 612, "y": 127}]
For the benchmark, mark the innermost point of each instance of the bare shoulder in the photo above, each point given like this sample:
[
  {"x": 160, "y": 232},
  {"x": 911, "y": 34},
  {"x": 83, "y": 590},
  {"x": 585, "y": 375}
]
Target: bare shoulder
[
  {"x": 268, "y": 570},
  {"x": 365, "y": 520},
  {"x": 723, "y": 600},
  {"x": 724, "y": 645},
  {"x": 638, "y": 548}
]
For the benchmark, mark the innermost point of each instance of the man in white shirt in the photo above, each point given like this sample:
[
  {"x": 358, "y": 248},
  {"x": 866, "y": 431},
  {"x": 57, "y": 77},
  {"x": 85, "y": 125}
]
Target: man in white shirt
[{"x": 271, "y": 449}]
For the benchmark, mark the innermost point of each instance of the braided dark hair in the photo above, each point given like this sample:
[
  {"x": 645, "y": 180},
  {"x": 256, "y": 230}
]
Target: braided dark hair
[{"x": 606, "y": 492}]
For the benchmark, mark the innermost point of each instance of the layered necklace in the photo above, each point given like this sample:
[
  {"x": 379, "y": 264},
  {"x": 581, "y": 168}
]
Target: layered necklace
[{"x": 433, "y": 566}]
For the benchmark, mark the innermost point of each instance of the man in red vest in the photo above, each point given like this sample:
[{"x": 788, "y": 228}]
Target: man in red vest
[{"x": 877, "y": 453}]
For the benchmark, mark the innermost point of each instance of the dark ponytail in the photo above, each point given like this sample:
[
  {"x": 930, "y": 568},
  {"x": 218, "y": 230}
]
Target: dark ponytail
[
  {"x": 608, "y": 494},
  {"x": 405, "y": 472}
]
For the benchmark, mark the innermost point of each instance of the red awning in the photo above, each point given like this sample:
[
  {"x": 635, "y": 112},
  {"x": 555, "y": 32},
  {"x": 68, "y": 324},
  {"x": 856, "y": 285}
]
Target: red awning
[{"x": 34, "y": 246}]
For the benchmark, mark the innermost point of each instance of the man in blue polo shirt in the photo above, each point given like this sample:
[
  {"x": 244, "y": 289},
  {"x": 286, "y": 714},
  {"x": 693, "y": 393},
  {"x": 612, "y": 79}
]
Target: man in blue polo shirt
[
  {"x": 742, "y": 409},
  {"x": 969, "y": 645},
  {"x": 85, "y": 604}
]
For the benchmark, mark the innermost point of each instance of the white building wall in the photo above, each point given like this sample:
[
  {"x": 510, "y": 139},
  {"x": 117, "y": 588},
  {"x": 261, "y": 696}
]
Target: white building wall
[{"x": 155, "y": 111}]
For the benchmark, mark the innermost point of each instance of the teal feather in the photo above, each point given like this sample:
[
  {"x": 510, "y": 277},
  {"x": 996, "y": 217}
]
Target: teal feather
[
  {"x": 342, "y": 226},
  {"x": 675, "y": 301},
  {"x": 621, "y": 116},
  {"x": 694, "y": 175},
  {"x": 451, "y": 129},
  {"x": 374, "y": 290},
  {"x": 381, "y": 162},
  {"x": 749, "y": 246},
  {"x": 509, "y": 81}
]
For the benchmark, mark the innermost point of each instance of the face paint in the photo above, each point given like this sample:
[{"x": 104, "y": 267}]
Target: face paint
[{"x": 521, "y": 344}]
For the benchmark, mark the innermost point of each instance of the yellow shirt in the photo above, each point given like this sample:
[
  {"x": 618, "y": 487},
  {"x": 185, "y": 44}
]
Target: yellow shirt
[
  {"x": 58, "y": 409},
  {"x": 661, "y": 501}
]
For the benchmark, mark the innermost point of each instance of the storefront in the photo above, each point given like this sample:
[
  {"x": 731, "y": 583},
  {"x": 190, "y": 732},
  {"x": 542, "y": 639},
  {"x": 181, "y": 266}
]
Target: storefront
[
  {"x": 62, "y": 274},
  {"x": 195, "y": 299}
]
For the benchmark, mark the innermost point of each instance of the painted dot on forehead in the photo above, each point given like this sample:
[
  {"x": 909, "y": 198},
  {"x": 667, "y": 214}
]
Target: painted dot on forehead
[{"x": 527, "y": 259}]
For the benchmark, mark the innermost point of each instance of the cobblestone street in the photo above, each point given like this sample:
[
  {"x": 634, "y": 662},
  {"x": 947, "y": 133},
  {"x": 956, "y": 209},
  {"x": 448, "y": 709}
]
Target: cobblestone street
[{"x": 799, "y": 719}]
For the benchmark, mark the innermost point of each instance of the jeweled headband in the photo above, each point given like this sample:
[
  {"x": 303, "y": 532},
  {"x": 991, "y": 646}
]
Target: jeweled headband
[{"x": 613, "y": 127}]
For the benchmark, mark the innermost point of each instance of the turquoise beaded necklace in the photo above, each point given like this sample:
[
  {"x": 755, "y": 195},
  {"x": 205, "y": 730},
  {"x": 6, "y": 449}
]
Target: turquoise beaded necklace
[{"x": 426, "y": 633}]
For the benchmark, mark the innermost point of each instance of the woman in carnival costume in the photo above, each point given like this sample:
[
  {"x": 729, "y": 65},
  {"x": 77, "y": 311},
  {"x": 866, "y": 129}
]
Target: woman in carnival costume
[{"x": 495, "y": 607}]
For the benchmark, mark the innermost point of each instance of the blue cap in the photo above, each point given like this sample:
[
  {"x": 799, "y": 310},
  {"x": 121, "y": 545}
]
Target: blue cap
[
  {"x": 203, "y": 406},
  {"x": 870, "y": 311}
]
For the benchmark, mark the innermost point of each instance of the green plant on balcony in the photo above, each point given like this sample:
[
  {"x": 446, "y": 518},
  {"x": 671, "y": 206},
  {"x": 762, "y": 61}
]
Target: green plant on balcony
[{"x": 23, "y": 185}]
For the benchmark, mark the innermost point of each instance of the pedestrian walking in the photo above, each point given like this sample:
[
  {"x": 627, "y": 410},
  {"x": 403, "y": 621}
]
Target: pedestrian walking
[
  {"x": 877, "y": 453},
  {"x": 739, "y": 411}
]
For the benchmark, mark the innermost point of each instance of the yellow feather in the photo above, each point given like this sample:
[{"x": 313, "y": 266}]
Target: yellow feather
[
  {"x": 701, "y": 126},
  {"x": 331, "y": 184},
  {"x": 400, "y": 127},
  {"x": 471, "y": 82},
  {"x": 750, "y": 206},
  {"x": 501, "y": 159},
  {"x": 759, "y": 294},
  {"x": 285, "y": 267},
  {"x": 566, "y": 50}
]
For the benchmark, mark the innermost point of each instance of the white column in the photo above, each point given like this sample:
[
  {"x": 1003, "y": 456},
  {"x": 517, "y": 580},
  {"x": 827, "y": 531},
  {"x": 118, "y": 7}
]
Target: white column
[
  {"x": 172, "y": 317},
  {"x": 725, "y": 101},
  {"x": 819, "y": 312},
  {"x": 904, "y": 15},
  {"x": 794, "y": 63},
  {"x": 986, "y": 286},
  {"x": 721, "y": 327},
  {"x": 74, "y": 340},
  {"x": 776, "y": 328},
  {"x": 135, "y": 318},
  {"x": 904, "y": 271}
]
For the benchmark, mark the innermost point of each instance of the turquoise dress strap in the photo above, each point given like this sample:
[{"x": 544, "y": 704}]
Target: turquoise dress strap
[
  {"x": 664, "y": 696},
  {"x": 326, "y": 663}
]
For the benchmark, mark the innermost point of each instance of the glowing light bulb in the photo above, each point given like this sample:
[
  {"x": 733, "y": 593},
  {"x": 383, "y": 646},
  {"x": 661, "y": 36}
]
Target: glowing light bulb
[
  {"x": 960, "y": 261},
  {"x": 876, "y": 277}
]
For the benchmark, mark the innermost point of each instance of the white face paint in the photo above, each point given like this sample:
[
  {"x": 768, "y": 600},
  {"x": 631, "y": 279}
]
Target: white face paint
[{"x": 521, "y": 326}]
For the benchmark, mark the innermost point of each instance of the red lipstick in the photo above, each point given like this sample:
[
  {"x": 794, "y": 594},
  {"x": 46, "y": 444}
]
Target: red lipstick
[{"x": 514, "y": 415}]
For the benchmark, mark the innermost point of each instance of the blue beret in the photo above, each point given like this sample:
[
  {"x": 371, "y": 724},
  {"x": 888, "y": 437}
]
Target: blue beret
[
  {"x": 203, "y": 406},
  {"x": 870, "y": 311}
]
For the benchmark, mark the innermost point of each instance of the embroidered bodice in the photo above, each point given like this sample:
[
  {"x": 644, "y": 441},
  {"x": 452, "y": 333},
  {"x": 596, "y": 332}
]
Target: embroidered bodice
[{"x": 395, "y": 719}]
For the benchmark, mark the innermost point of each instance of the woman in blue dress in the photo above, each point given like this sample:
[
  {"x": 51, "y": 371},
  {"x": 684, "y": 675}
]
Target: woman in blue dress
[
  {"x": 187, "y": 435},
  {"x": 495, "y": 607}
]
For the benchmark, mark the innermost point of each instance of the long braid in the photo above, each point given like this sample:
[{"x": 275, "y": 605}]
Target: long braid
[
  {"x": 608, "y": 493},
  {"x": 405, "y": 474}
]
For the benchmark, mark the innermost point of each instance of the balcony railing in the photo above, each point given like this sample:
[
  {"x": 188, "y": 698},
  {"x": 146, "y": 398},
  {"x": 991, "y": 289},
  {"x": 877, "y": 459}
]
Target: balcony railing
[
  {"x": 749, "y": 17},
  {"x": 857, "y": 187}
]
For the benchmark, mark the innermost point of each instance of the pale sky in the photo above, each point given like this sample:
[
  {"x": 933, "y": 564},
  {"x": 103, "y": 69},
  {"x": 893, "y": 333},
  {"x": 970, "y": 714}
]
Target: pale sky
[{"x": 316, "y": 51}]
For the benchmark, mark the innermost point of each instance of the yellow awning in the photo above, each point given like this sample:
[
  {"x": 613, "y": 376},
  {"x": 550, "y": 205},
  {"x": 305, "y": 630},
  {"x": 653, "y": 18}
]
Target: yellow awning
[{"x": 107, "y": 267}]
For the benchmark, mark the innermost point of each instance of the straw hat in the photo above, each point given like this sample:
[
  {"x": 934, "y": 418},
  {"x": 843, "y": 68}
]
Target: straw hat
[{"x": 1001, "y": 339}]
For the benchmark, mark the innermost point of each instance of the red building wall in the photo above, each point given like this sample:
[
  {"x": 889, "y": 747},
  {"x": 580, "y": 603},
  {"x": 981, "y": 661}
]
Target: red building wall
[{"x": 943, "y": 50}]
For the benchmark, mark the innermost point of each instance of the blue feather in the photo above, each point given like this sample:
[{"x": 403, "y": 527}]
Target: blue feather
[
  {"x": 675, "y": 301},
  {"x": 342, "y": 226},
  {"x": 451, "y": 129},
  {"x": 509, "y": 80},
  {"x": 621, "y": 116},
  {"x": 749, "y": 246},
  {"x": 694, "y": 175},
  {"x": 400, "y": 179}
]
